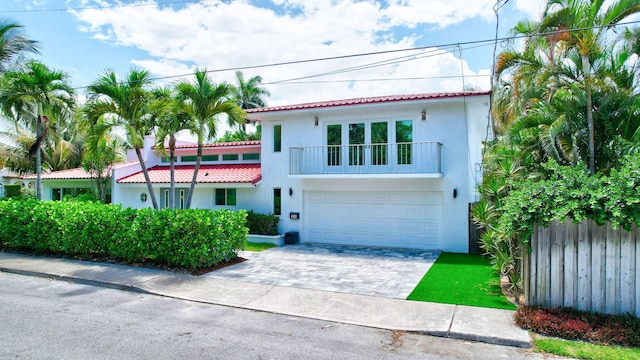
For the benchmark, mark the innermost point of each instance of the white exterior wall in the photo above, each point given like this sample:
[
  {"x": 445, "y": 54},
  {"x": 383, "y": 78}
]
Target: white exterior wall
[
  {"x": 49, "y": 185},
  {"x": 447, "y": 123}
]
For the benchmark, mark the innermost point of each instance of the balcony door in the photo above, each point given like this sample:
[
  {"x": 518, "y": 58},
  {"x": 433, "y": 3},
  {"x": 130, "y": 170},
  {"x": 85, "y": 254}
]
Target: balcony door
[{"x": 359, "y": 145}]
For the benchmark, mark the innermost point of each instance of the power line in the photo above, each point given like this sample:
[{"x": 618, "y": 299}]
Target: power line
[
  {"x": 374, "y": 79},
  {"x": 349, "y": 56},
  {"x": 106, "y": 7},
  {"x": 373, "y": 53}
]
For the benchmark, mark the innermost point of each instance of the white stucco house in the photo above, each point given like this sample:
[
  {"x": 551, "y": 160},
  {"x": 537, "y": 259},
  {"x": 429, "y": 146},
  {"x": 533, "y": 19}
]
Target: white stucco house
[{"x": 391, "y": 171}]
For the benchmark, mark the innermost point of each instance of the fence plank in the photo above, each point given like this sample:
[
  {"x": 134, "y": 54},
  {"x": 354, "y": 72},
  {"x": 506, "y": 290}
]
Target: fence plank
[
  {"x": 637, "y": 271},
  {"x": 612, "y": 270},
  {"x": 544, "y": 239},
  {"x": 570, "y": 264},
  {"x": 597, "y": 267},
  {"x": 529, "y": 278},
  {"x": 584, "y": 266},
  {"x": 556, "y": 270},
  {"x": 627, "y": 256}
]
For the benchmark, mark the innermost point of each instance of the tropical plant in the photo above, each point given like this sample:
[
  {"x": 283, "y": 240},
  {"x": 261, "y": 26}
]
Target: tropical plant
[
  {"x": 590, "y": 23},
  {"x": 170, "y": 117},
  {"x": 14, "y": 44},
  {"x": 99, "y": 161},
  {"x": 249, "y": 94},
  {"x": 37, "y": 93},
  {"x": 239, "y": 135},
  {"x": 205, "y": 101},
  {"x": 568, "y": 96},
  {"x": 115, "y": 103}
]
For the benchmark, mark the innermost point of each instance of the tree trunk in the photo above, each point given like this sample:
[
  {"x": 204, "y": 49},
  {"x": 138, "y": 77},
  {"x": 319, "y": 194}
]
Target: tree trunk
[
  {"x": 146, "y": 178},
  {"x": 195, "y": 175},
  {"x": 39, "y": 190},
  {"x": 586, "y": 68},
  {"x": 172, "y": 186}
]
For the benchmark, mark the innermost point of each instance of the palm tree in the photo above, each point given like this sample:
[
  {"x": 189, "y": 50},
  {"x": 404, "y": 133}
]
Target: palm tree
[
  {"x": 124, "y": 104},
  {"x": 205, "y": 101},
  {"x": 590, "y": 23},
  {"x": 170, "y": 117},
  {"x": 249, "y": 94},
  {"x": 13, "y": 44},
  {"x": 37, "y": 92}
]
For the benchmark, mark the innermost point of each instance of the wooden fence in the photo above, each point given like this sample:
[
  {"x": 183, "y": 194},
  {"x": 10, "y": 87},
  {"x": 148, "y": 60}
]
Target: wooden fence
[{"x": 584, "y": 266}]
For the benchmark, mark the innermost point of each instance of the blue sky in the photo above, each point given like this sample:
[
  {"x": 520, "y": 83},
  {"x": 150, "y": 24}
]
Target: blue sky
[{"x": 172, "y": 38}]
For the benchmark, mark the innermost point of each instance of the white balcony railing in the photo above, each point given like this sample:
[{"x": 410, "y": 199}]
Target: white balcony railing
[{"x": 394, "y": 158}]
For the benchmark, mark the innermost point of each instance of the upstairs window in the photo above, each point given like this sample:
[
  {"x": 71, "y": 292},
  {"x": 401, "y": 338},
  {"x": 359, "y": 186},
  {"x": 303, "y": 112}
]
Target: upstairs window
[
  {"x": 334, "y": 145},
  {"x": 252, "y": 156},
  {"x": 229, "y": 157},
  {"x": 404, "y": 138},
  {"x": 277, "y": 138}
]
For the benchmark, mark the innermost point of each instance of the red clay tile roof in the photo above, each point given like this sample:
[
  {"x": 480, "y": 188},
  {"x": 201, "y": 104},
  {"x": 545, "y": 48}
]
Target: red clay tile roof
[
  {"x": 222, "y": 144},
  {"x": 74, "y": 174},
  {"x": 207, "y": 174},
  {"x": 368, "y": 100}
]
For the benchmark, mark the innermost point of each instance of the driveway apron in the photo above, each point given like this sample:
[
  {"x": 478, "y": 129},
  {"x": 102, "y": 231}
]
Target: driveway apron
[{"x": 383, "y": 272}]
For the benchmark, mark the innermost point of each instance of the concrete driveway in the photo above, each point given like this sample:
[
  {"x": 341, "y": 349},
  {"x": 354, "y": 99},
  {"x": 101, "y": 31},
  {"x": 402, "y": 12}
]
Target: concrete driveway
[{"x": 383, "y": 272}]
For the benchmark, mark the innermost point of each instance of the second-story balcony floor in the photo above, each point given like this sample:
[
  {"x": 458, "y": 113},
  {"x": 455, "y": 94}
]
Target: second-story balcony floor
[{"x": 390, "y": 160}]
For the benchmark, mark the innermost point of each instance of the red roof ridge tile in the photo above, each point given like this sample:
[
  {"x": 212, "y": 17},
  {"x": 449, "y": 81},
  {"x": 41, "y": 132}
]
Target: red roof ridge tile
[{"x": 369, "y": 100}]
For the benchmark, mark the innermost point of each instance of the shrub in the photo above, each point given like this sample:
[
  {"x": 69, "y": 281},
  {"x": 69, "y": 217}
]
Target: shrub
[
  {"x": 175, "y": 238},
  {"x": 81, "y": 198},
  {"x": 12, "y": 190},
  {"x": 572, "y": 324},
  {"x": 262, "y": 224}
]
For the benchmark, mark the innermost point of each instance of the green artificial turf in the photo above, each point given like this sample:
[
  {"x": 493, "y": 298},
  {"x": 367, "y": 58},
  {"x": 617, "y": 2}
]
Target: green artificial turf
[
  {"x": 251, "y": 246},
  {"x": 461, "y": 279},
  {"x": 582, "y": 350}
]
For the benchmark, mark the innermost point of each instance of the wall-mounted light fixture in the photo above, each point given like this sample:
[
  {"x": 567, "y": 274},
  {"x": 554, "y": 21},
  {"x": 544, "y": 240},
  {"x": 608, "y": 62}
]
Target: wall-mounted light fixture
[
  {"x": 455, "y": 193},
  {"x": 423, "y": 115},
  {"x": 290, "y": 192},
  {"x": 315, "y": 120}
]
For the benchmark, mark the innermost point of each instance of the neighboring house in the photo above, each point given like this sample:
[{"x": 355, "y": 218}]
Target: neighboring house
[
  {"x": 57, "y": 184},
  {"x": 395, "y": 171},
  {"x": 9, "y": 177}
]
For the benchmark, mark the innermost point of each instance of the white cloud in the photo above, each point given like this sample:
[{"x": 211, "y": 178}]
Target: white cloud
[
  {"x": 438, "y": 12},
  {"x": 531, "y": 8},
  {"x": 220, "y": 35}
]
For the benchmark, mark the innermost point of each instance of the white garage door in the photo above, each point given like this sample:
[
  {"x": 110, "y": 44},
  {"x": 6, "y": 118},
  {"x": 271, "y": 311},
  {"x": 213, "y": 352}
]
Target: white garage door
[{"x": 387, "y": 218}]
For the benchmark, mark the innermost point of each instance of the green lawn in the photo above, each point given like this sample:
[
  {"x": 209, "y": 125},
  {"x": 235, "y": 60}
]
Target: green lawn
[
  {"x": 252, "y": 246},
  {"x": 461, "y": 279},
  {"x": 582, "y": 350}
]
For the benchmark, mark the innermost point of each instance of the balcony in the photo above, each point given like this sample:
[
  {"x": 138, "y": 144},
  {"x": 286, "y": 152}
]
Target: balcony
[{"x": 416, "y": 159}]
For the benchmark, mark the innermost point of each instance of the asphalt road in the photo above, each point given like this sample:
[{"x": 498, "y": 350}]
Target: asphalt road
[{"x": 48, "y": 319}]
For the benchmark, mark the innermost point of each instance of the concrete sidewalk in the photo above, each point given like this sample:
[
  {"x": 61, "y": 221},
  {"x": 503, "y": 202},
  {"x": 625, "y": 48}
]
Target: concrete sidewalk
[{"x": 454, "y": 321}]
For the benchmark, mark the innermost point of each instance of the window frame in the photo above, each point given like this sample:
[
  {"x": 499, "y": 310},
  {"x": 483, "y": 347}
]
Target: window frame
[
  {"x": 227, "y": 193},
  {"x": 277, "y": 138}
]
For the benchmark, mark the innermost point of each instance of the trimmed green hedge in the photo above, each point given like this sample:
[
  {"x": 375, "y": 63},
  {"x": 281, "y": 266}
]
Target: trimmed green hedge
[
  {"x": 262, "y": 224},
  {"x": 187, "y": 238},
  {"x": 12, "y": 190}
]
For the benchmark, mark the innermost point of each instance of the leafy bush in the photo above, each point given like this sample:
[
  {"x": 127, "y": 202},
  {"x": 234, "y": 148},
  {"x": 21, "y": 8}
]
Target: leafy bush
[
  {"x": 565, "y": 192},
  {"x": 262, "y": 224},
  {"x": 81, "y": 198},
  {"x": 12, "y": 190},
  {"x": 26, "y": 192},
  {"x": 184, "y": 238},
  {"x": 572, "y": 324}
]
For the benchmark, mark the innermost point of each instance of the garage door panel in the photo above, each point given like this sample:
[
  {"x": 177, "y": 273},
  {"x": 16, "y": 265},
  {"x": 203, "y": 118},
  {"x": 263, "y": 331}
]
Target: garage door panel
[{"x": 392, "y": 218}]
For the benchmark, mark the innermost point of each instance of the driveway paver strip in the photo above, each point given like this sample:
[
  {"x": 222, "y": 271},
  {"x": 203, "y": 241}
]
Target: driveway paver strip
[{"x": 384, "y": 272}]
